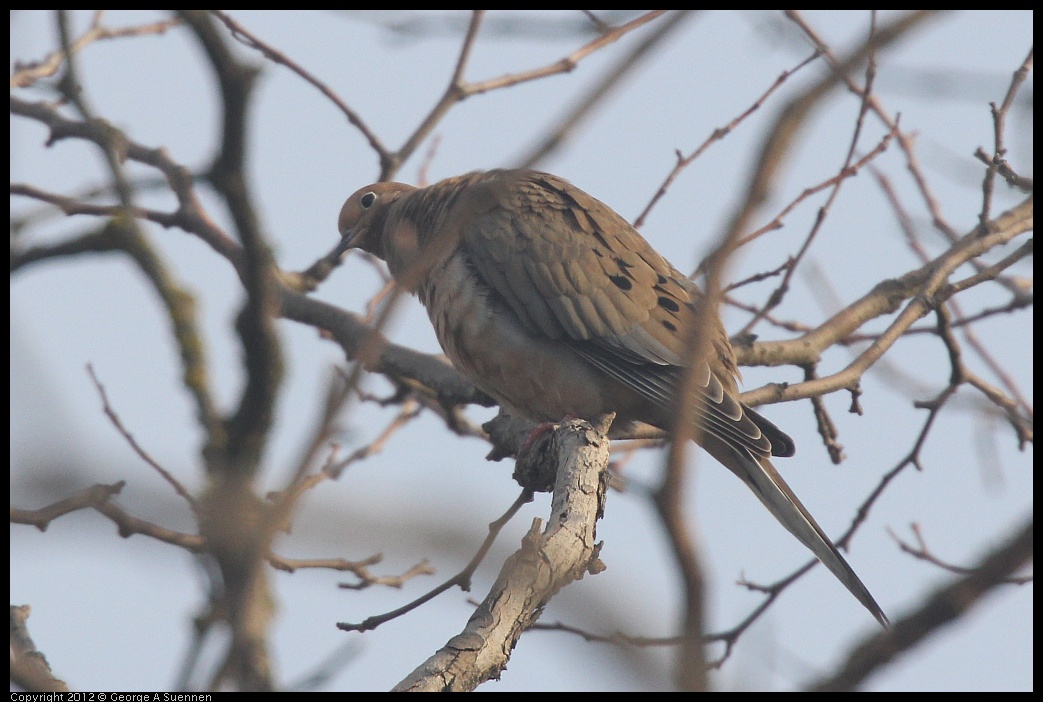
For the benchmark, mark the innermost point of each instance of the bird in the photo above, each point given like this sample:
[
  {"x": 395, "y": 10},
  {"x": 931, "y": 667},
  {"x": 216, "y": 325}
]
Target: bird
[{"x": 555, "y": 306}]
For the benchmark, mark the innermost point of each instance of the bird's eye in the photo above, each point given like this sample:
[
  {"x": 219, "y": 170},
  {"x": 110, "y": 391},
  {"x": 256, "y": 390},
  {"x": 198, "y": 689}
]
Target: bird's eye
[{"x": 367, "y": 200}]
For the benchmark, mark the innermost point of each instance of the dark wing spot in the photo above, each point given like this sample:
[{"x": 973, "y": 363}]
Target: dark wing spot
[
  {"x": 668, "y": 304},
  {"x": 669, "y": 325},
  {"x": 622, "y": 282}
]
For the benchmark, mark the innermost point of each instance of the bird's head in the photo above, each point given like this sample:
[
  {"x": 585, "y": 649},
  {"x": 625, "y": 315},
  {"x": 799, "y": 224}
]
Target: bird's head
[{"x": 363, "y": 216}]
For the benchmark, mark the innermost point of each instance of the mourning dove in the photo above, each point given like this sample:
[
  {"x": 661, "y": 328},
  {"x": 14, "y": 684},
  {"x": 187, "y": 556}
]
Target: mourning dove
[{"x": 555, "y": 306}]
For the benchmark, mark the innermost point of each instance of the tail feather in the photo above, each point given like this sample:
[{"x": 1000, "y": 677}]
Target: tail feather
[{"x": 765, "y": 482}]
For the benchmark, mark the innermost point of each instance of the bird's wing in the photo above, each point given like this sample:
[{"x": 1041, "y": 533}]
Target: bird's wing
[{"x": 572, "y": 269}]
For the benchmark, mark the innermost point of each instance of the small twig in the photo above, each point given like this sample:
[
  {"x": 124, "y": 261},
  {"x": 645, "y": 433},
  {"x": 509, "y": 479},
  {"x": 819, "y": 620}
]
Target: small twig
[
  {"x": 717, "y": 135},
  {"x": 461, "y": 579},
  {"x": 99, "y": 498},
  {"x": 923, "y": 553},
  {"x": 142, "y": 453},
  {"x": 25, "y": 74}
]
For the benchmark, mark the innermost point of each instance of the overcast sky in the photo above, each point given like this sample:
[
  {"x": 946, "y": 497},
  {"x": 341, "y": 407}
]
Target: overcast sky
[{"x": 114, "y": 614}]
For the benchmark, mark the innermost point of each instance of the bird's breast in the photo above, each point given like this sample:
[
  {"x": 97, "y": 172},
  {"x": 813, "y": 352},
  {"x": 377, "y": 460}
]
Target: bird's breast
[{"x": 535, "y": 376}]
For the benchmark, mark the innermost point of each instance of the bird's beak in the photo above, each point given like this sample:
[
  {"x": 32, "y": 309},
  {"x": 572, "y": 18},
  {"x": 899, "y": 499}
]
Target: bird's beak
[{"x": 346, "y": 242}]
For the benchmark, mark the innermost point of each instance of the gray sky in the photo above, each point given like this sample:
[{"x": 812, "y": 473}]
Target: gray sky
[{"x": 430, "y": 495}]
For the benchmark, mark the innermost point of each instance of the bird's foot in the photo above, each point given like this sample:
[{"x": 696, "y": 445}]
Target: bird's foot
[{"x": 539, "y": 430}]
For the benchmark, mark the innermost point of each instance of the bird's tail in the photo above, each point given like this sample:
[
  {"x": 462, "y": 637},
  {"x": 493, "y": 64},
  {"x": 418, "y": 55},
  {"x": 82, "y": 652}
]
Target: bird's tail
[{"x": 760, "y": 475}]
